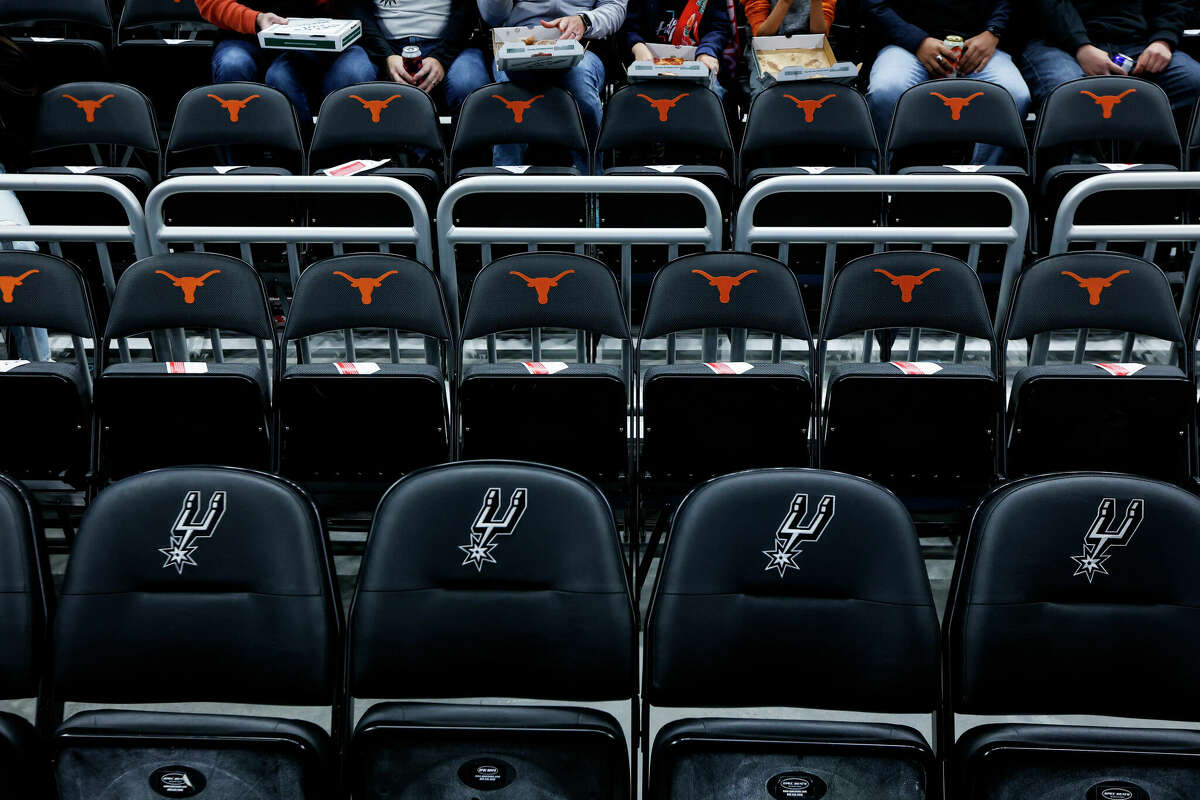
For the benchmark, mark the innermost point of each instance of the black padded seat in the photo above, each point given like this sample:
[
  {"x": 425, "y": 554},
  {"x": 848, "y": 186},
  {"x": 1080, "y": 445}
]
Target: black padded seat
[
  {"x": 242, "y": 372},
  {"x": 183, "y": 172},
  {"x": 472, "y": 172},
  {"x": 22, "y": 758},
  {"x": 377, "y": 368}
]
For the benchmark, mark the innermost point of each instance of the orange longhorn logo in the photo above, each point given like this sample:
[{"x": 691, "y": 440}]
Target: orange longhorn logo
[
  {"x": 956, "y": 104},
  {"x": 907, "y": 282},
  {"x": 376, "y": 107},
  {"x": 1106, "y": 102},
  {"x": 542, "y": 285},
  {"x": 724, "y": 283},
  {"x": 234, "y": 107},
  {"x": 187, "y": 284},
  {"x": 809, "y": 107},
  {"x": 663, "y": 106},
  {"x": 1095, "y": 286},
  {"x": 89, "y": 107},
  {"x": 367, "y": 286},
  {"x": 518, "y": 107},
  {"x": 10, "y": 282}
]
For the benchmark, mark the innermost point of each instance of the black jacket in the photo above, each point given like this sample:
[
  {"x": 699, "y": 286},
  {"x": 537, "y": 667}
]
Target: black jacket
[
  {"x": 1070, "y": 24},
  {"x": 464, "y": 15},
  {"x": 907, "y": 23}
]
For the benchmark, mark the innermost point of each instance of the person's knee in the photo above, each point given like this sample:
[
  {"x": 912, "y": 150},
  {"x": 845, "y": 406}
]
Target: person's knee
[
  {"x": 353, "y": 66},
  {"x": 234, "y": 63}
]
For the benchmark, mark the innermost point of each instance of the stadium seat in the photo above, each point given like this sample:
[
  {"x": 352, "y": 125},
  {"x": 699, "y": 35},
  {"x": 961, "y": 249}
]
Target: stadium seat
[
  {"x": 174, "y": 410},
  {"x": 26, "y": 591},
  {"x": 571, "y": 415},
  {"x": 198, "y": 585},
  {"x": 1124, "y": 417},
  {"x": 159, "y": 52},
  {"x": 348, "y": 429},
  {"x": 1058, "y": 571},
  {"x": 787, "y": 590},
  {"x": 48, "y": 403},
  {"x": 67, "y": 40},
  {"x": 921, "y": 428},
  {"x": 471, "y": 587}
]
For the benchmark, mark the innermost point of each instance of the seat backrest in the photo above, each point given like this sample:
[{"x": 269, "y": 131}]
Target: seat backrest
[
  {"x": 143, "y": 13},
  {"x": 383, "y": 115},
  {"x": 250, "y": 117},
  {"x": 1093, "y": 289},
  {"x": 199, "y": 584},
  {"x": 95, "y": 113},
  {"x": 818, "y": 571},
  {"x": 1059, "y": 570},
  {"x": 44, "y": 291},
  {"x": 475, "y": 563},
  {"x": 906, "y": 289},
  {"x": 792, "y": 124},
  {"x": 956, "y": 110},
  {"x": 509, "y": 113},
  {"x": 722, "y": 290},
  {"x": 93, "y": 13},
  {"x": 667, "y": 113},
  {"x": 25, "y": 594}
]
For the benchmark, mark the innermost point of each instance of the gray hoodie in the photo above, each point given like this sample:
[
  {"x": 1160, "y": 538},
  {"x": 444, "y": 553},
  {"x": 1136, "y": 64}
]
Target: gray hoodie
[{"x": 606, "y": 15}]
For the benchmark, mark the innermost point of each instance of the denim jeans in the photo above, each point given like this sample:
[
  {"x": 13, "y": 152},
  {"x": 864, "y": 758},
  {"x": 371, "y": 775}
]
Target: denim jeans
[
  {"x": 11, "y": 213},
  {"x": 1045, "y": 66},
  {"x": 468, "y": 72},
  {"x": 897, "y": 70}
]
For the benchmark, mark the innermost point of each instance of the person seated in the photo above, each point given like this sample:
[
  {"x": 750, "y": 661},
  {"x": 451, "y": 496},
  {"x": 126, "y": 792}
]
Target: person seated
[
  {"x": 305, "y": 76},
  {"x": 786, "y": 17},
  {"x": 440, "y": 29},
  {"x": 1080, "y": 37},
  {"x": 703, "y": 24},
  {"x": 915, "y": 31}
]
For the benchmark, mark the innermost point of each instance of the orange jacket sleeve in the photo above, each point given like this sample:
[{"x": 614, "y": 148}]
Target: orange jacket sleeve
[
  {"x": 229, "y": 14},
  {"x": 828, "y": 6},
  {"x": 757, "y": 10}
]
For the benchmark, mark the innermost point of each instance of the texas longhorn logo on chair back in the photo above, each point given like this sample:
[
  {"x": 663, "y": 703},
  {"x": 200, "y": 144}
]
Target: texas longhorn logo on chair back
[
  {"x": 376, "y": 107},
  {"x": 186, "y": 284},
  {"x": 89, "y": 107},
  {"x": 190, "y": 525},
  {"x": 793, "y": 532},
  {"x": 1101, "y": 536},
  {"x": 907, "y": 282},
  {"x": 10, "y": 282},
  {"x": 234, "y": 107},
  {"x": 956, "y": 104},
  {"x": 1108, "y": 101},
  {"x": 663, "y": 105},
  {"x": 366, "y": 286},
  {"x": 491, "y": 523},
  {"x": 518, "y": 107},
  {"x": 724, "y": 283},
  {"x": 542, "y": 285},
  {"x": 1095, "y": 286},
  {"x": 809, "y": 107}
]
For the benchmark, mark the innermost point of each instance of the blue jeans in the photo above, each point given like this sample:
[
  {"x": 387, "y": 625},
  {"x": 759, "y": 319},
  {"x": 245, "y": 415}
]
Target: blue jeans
[
  {"x": 897, "y": 70},
  {"x": 1045, "y": 66},
  {"x": 464, "y": 74}
]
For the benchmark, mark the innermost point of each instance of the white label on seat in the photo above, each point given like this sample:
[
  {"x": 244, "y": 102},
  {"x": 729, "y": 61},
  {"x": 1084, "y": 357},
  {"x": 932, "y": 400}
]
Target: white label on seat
[
  {"x": 354, "y": 167},
  {"x": 224, "y": 170},
  {"x": 1119, "y": 167},
  {"x": 80, "y": 170},
  {"x": 965, "y": 167},
  {"x": 44, "y": 39},
  {"x": 1120, "y": 370},
  {"x": 176, "y": 41},
  {"x": 729, "y": 367},
  {"x": 5, "y": 366},
  {"x": 544, "y": 367},
  {"x": 816, "y": 170},
  {"x": 189, "y": 367},
  {"x": 917, "y": 367},
  {"x": 518, "y": 169},
  {"x": 665, "y": 167},
  {"x": 356, "y": 367}
]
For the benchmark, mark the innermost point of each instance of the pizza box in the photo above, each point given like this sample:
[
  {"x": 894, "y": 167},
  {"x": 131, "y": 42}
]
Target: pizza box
[
  {"x": 815, "y": 45},
  {"x": 329, "y": 35},
  {"x": 513, "y": 54},
  {"x": 691, "y": 70}
]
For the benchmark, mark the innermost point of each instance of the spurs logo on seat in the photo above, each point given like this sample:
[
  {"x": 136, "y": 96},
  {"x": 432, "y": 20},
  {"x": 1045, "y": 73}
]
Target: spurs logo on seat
[
  {"x": 956, "y": 104},
  {"x": 1101, "y": 537},
  {"x": 907, "y": 282},
  {"x": 542, "y": 285},
  {"x": 10, "y": 282},
  {"x": 187, "y": 284},
  {"x": 1107, "y": 101},
  {"x": 491, "y": 523},
  {"x": 191, "y": 525},
  {"x": 793, "y": 532},
  {"x": 1095, "y": 286},
  {"x": 724, "y": 283},
  {"x": 89, "y": 107},
  {"x": 663, "y": 106},
  {"x": 367, "y": 286},
  {"x": 234, "y": 107},
  {"x": 376, "y": 107},
  {"x": 809, "y": 107},
  {"x": 518, "y": 107}
]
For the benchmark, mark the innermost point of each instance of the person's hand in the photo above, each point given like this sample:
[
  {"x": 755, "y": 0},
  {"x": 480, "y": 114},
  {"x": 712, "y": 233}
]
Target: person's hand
[
  {"x": 1154, "y": 58},
  {"x": 267, "y": 19},
  {"x": 977, "y": 52},
  {"x": 1096, "y": 62},
  {"x": 642, "y": 53},
  {"x": 936, "y": 57},
  {"x": 429, "y": 75},
  {"x": 397, "y": 72},
  {"x": 571, "y": 27},
  {"x": 711, "y": 62}
]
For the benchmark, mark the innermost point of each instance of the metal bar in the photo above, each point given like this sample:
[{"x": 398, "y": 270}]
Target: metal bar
[
  {"x": 348, "y": 335},
  {"x": 394, "y": 345},
  {"x": 535, "y": 343},
  {"x": 134, "y": 232}
]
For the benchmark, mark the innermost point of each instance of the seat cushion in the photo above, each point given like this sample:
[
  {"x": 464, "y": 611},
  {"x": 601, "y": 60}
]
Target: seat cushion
[
  {"x": 1003, "y": 170},
  {"x": 23, "y": 765},
  {"x": 360, "y": 369},
  {"x": 1091, "y": 371},
  {"x": 141, "y": 369},
  {"x": 888, "y": 368},
  {"x": 63, "y": 370},
  {"x": 542, "y": 368},
  {"x": 722, "y": 369},
  {"x": 1073, "y": 173},
  {"x": 762, "y": 173},
  {"x": 702, "y": 172},
  {"x": 472, "y": 172},
  {"x": 232, "y": 170}
]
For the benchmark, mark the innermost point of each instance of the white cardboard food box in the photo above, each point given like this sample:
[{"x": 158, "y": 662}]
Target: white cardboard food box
[
  {"x": 834, "y": 70},
  {"x": 690, "y": 70},
  {"x": 328, "y": 35},
  {"x": 514, "y": 55}
]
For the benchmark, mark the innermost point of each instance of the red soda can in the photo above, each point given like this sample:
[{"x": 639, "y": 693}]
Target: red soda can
[{"x": 412, "y": 59}]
